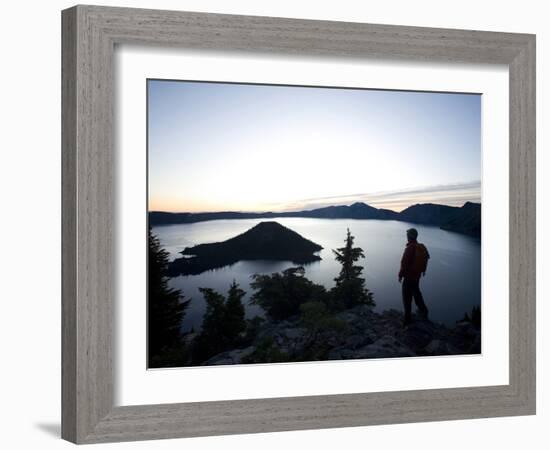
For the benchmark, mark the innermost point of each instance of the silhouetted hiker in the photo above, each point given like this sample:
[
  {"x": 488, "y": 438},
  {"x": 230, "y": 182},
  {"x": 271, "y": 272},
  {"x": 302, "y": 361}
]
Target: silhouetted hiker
[{"x": 413, "y": 265}]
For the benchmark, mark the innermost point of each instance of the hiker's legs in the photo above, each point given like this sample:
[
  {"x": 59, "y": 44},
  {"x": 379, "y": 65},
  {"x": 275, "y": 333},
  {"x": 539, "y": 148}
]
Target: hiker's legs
[
  {"x": 407, "y": 299},
  {"x": 419, "y": 299}
]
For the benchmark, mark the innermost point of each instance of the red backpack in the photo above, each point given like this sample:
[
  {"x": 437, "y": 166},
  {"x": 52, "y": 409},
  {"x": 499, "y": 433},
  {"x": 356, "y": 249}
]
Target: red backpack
[{"x": 421, "y": 256}]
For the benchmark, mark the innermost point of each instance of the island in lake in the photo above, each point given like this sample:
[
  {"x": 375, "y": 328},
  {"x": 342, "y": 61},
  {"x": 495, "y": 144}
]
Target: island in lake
[{"x": 267, "y": 240}]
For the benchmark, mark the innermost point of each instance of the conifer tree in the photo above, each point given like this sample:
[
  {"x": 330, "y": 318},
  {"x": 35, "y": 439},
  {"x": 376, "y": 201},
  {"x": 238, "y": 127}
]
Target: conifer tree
[
  {"x": 350, "y": 287},
  {"x": 234, "y": 312},
  {"x": 166, "y": 306},
  {"x": 211, "y": 339},
  {"x": 222, "y": 324}
]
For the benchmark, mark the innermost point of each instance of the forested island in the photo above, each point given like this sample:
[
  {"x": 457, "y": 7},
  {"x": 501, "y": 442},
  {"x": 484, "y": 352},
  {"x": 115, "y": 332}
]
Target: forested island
[
  {"x": 465, "y": 219},
  {"x": 267, "y": 240},
  {"x": 301, "y": 321}
]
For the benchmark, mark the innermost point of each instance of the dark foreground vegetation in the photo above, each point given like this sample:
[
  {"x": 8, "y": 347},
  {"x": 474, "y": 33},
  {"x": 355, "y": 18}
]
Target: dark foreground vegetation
[{"x": 303, "y": 321}]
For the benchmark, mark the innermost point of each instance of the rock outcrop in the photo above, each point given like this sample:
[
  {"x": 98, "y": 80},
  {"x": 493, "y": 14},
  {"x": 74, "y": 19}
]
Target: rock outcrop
[{"x": 367, "y": 334}]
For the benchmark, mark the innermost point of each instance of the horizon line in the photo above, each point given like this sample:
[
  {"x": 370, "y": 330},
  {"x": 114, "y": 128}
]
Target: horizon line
[
  {"x": 307, "y": 210},
  {"x": 452, "y": 194}
]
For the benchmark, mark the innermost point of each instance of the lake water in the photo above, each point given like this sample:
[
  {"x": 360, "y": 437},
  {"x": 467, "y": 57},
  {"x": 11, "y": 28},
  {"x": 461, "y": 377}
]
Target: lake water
[{"x": 451, "y": 287}]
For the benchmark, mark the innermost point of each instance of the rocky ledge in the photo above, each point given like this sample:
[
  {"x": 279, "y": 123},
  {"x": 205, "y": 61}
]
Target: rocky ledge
[{"x": 364, "y": 334}]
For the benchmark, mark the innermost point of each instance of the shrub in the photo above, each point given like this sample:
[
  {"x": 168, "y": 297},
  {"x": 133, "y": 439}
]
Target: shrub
[
  {"x": 266, "y": 352},
  {"x": 281, "y": 294}
]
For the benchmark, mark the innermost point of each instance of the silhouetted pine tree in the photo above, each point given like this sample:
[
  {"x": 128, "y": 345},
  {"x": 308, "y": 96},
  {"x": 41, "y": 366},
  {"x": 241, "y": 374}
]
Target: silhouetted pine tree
[
  {"x": 350, "y": 287},
  {"x": 211, "y": 339},
  {"x": 474, "y": 318},
  {"x": 234, "y": 312},
  {"x": 222, "y": 324},
  {"x": 166, "y": 310}
]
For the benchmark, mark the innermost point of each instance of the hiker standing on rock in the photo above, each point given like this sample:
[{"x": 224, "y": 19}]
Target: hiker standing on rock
[{"x": 413, "y": 265}]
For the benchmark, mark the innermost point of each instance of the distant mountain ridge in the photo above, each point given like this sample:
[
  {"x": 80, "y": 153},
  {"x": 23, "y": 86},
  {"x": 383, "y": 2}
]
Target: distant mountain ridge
[{"x": 465, "y": 219}]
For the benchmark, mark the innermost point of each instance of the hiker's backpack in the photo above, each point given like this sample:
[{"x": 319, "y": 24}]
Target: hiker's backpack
[{"x": 421, "y": 257}]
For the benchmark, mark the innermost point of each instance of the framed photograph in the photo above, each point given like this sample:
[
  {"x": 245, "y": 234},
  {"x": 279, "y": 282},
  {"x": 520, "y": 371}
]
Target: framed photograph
[{"x": 267, "y": 222}]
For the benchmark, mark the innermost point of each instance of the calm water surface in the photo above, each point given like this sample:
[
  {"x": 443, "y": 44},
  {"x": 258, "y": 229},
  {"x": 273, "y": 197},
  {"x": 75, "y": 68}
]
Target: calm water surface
[{"x": 451, "y": 287}]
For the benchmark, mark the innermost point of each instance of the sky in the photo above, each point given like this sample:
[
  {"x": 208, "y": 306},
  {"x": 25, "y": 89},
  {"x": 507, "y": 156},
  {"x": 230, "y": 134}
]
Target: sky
[{"x": 242, "y": 147}]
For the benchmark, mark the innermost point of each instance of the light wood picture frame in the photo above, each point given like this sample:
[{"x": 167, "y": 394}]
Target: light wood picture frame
[{"x": 90, "y": 34}]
